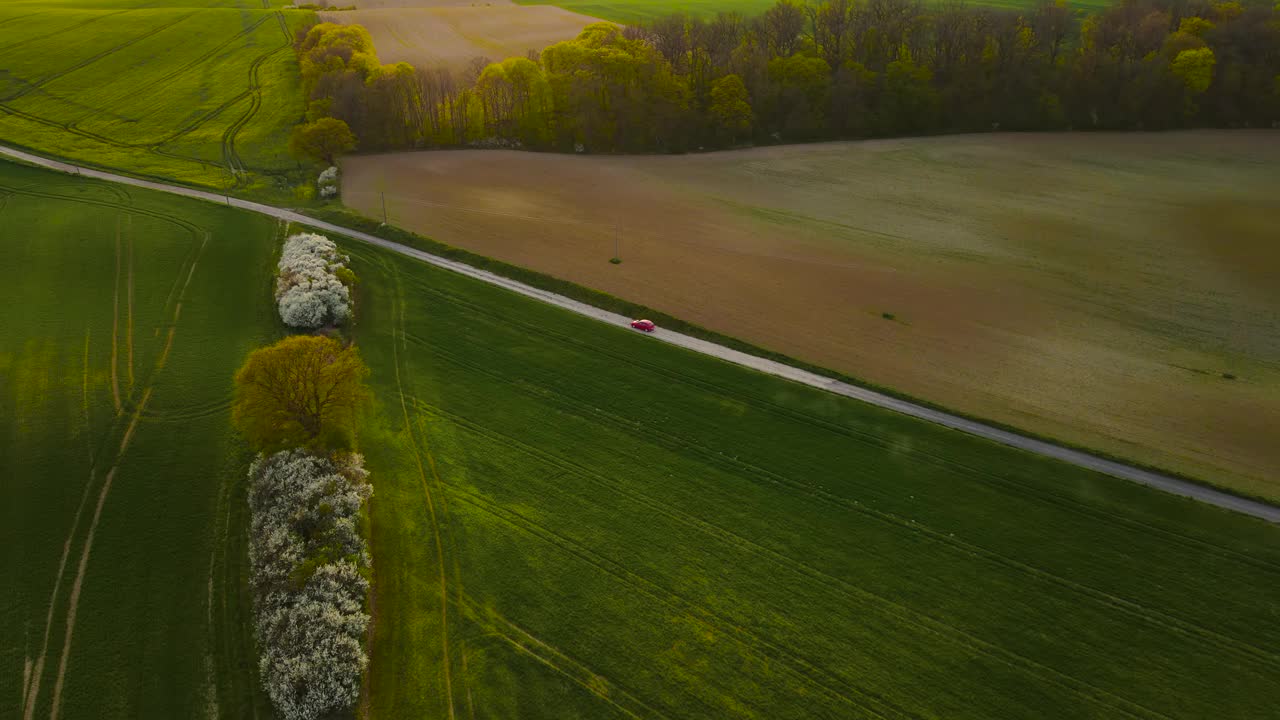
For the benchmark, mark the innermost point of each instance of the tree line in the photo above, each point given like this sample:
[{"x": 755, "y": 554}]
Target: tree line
[
  {"x": 809, "y": 71},
  {"x": 298, "y": 403}
]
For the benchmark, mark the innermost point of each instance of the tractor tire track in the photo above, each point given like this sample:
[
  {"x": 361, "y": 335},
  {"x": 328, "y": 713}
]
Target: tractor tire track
[
  {"x": 84, "y": 398},
  {"x": 129, "y": 327},
  {"x": 397, "y": 342},
  {"x": 908, "y": 615},
  {"x": 115, "y": 326},
  {"x": 503, "y": 628},
  {"x": 73, "y": 602},
  {"x": 763, "y": 648},
  {"x": 29, "y": 87},
  {"x": 193, "y": 64},
  {"x": 60, "y": 31},
  {"x": 231, "y": 157},
  {"x": 1130, "y": 607},
  {"x": 74, "y": 598},
  {"x": 234, "y": 164},
  {"x": 31, "y": 695}
]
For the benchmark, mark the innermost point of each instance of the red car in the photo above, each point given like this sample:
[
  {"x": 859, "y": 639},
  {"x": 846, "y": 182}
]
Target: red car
[{"x": 644, "y": 325}]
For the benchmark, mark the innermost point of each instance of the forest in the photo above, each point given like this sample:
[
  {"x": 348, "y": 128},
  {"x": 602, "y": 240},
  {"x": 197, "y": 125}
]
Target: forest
[{"x": 802, "y": 72}]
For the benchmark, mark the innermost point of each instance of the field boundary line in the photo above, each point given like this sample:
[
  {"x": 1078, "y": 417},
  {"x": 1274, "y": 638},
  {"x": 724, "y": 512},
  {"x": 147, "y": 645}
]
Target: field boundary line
[{"x": 1173, "y": 485}]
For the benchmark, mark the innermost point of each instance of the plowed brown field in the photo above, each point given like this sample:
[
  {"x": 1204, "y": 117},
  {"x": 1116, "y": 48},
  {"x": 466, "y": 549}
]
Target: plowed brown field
[
  {"x": 432, "y": 33},
  {"x": 1094, "y": 288}
]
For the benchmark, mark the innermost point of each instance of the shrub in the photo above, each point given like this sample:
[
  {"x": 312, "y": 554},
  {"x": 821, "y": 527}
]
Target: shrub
[
  {"x": 309, "y": 293},
  {"x": 304, "y": 193},
  {"x": 328, "y": 182},
  {"x": 310, "y": 625}
]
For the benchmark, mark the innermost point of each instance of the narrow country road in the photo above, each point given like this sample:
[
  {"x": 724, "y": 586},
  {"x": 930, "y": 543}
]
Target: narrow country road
[{"x": 1167, "y": 483}]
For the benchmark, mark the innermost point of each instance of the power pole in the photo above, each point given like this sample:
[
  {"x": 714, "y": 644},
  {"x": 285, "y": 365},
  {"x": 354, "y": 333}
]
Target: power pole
[{"x": 615, "y": 243}]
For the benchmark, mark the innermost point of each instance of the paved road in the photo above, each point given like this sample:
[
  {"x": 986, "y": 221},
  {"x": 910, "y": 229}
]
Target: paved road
[{"x": 1169, "y": 484}]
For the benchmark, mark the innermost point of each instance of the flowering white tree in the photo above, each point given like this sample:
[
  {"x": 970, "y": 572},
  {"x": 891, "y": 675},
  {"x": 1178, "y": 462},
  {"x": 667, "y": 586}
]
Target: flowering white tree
[
  {"x": 306, "y": 557},
  {"x": 328, "y": 182},
  {"x": 308, "y": 291}
]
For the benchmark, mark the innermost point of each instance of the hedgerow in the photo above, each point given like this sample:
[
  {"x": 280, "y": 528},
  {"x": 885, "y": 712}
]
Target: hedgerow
[{"x": 308, "y": 565}]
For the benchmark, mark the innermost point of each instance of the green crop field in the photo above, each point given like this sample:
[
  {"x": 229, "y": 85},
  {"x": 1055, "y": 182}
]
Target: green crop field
[
  {"x": 633, "y": 11},
  {"x": 121, "y": 551},
  {"x": 575, "y": 521},
  {"x": 203, "y": 92}
]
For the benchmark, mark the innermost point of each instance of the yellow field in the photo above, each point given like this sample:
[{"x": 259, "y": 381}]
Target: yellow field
[
  {"x": 431, "y": 33},
  {"x": 1094, "y": 288}
]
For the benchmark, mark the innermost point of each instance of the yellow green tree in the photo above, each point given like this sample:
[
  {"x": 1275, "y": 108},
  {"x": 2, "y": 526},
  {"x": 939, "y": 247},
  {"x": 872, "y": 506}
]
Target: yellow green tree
[
  {"x": 731, "y": 108},
  {"x": 303, "y": 392},
  {"x": 323, "y": 140},
  {"x": 1195, "y": 69}
]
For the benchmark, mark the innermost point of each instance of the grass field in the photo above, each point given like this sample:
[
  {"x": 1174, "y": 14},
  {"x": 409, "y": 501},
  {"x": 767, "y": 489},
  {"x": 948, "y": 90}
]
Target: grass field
[
  {"x": 203, "y": 92},
  {"x": 1093, "y": 288},
  {"x": 574, "y": 521},
  {"x": 121, "y": 551},
  {"x": 632, "y": 11},
  {"x": 451, "y": 33}
]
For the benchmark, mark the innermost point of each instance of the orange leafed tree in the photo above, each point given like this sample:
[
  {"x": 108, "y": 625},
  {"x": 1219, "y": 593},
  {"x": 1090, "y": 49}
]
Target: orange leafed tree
[{"x": 304, "y": 391}]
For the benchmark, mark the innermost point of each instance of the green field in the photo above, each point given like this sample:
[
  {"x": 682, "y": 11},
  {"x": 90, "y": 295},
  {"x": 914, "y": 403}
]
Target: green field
[
  {"x": 574, "y": 521},
  {"x": 633, "y": 11},
  {"x": 203, "y": 92},
  {"x": 121, "y": 506}
]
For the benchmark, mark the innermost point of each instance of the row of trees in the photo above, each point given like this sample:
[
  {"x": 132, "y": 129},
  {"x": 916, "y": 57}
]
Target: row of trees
[
  {"x": 838, "y": 68},
  {"x": 298, "y": 403}
]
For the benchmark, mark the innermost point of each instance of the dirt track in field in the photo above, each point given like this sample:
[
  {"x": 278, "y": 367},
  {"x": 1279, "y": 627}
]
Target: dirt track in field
[
  {"x": 432, "y": 33},
  {"x": 1089, "y": 287}
]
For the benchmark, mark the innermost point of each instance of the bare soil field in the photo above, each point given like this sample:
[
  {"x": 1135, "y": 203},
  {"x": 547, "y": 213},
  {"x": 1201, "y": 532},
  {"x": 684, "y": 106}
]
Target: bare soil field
[
  {"x": 1119, "y": 291},
  {"x": 431, "y": 33}
]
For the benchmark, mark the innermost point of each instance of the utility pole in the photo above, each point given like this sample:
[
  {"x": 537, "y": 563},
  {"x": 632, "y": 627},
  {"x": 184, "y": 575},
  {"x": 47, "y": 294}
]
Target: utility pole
[
  {"x": 384, "y": 207},
  {"x": 615, "y": 243}
]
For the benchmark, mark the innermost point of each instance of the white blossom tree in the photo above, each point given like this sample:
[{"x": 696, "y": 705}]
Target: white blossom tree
[
  {"x": 309, "y": 293},
  {"x": 307, "y": 557}
]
